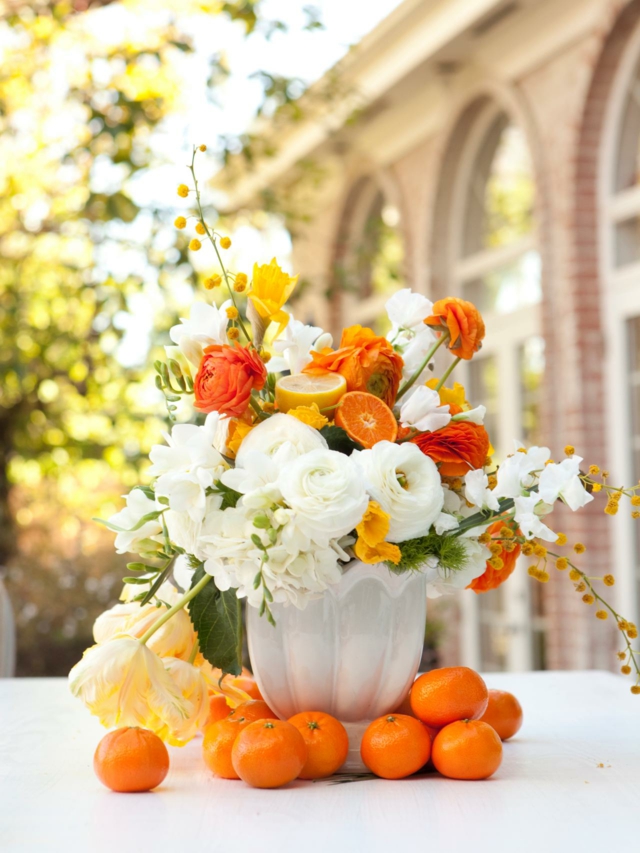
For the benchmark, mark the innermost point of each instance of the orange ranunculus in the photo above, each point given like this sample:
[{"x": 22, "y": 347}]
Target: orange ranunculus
[
  {"x": 464, "y": 323},
  {"x": 368, "y": 363},
  {"x": 492, "y": 578},
  {"x": 226, "y": 377},
  {"x": 459, "y": 447}
]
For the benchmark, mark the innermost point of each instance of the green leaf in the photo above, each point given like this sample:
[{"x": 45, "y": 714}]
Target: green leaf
[
  {"x": 216, "y": 619},
  {"x": 164, "y": 574},
  {"x": 229, "y": 496},
  {"x": 337, "y": 439}
]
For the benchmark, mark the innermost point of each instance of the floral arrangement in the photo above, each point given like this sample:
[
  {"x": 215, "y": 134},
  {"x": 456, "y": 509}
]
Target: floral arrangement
[{"x": 310, "y": 456}]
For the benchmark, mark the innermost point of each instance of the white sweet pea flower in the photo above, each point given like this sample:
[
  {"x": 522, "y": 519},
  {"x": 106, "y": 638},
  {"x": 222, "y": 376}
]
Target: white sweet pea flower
[
  {"x": 475, "y": 416},
  {"x": 326, "y": 493},
  {"x": 277, "y": 430},
  {"x": 561, "y": 480},
  {"x": 405, "y": 483},
  {"x": 207, "y": 325},
  {"x": 138, "y": 505},
  {"x": 477, "y": 491},
  {"x": 407, "y": 311},
  {"x": 440, "y": 582},
  {"x": 445, "y": 522},
  {"x": 520, "y": 471},
  {"x": 529, "y": 521},
  {"x": 414, "y": 347},
  {"x": 422, "y": 411},
  {"x": 187, "y": 466},
  {"x": 295, "y": 345}
]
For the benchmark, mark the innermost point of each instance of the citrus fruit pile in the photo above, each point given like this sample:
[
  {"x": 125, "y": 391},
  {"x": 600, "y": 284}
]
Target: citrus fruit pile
[{"x": 449, "y": 722}]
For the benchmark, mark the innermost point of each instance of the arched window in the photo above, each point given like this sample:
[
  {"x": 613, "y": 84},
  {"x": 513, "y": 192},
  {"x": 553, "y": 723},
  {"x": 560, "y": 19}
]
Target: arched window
[
  {"x": 370, "y": 266},
  {"x": 620, "y": 200},
  {"x": 494, "y": 262}
]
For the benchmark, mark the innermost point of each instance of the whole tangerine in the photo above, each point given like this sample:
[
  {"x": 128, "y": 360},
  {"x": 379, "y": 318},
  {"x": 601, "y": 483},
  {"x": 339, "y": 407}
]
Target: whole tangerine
[
  {"x": 256, "y": 709},
  {"x": 467, "y": 749},
  {"x": 131, "y": 759},
  {"x": 443, "y": 696},
  {"x": 395, "y": 746},
  {"x": 218, "y": 743},
  {"x": 504, "y": 713},
  {"x": 327, "y": 743},
  {"x": 269, "y": 754}
]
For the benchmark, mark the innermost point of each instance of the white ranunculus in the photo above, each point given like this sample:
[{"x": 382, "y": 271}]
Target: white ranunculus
[
  {"x": 561, "y": 480},
  {"x": 405, "y": 483},
  {"x": 407, "y": 310},
  {"x": 477, "y": 491},
  {"x": 272, "y": 433},
  {"x": 326, "y": 493},
  {"x": 187, "y": 466},
  {"x": 529, "y": 509},
  {"x": 207, "y": 325},
  {"x": 440, "y": 582},
  {"x": 260, "y": 469},
  {"x": 295, "y": 346},
  {"x": 138, "y": 505},
  {"x": 422, "y": 411}
]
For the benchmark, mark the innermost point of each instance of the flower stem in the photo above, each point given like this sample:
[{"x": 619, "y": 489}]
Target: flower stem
[
  {"x": 186, "y": 598},
  {"x": 213, "y": 242},
  {"x": 194, "y": 651},
  {"x": 447, "y": 373},
  {"x": 408, "y": 384}
]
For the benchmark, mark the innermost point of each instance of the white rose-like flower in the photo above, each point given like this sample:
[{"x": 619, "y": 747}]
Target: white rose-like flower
[
  {"x": 405, "y": 483},
  {"x": 271, "y": 434},
  {"x": 326, "y": 493}
]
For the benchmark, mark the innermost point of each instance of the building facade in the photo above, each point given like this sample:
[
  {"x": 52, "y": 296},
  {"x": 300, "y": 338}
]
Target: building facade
[{"x": 495, "y": 155}]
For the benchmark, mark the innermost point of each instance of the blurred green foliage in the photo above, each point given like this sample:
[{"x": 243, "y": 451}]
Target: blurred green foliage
[{"x": 77, "y": 116}]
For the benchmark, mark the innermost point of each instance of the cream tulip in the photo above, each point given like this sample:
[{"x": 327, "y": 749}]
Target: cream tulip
[
  {"x": 124, "y": 683},
  {"x": 195, "y": 694}
]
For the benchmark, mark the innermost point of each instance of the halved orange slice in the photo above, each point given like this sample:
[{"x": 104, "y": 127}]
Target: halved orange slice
[{"x": 366, "y": 419}]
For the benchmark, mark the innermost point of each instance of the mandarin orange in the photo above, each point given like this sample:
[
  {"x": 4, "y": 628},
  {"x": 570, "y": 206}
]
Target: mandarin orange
[
  {"x": 443, "y": 696},
  {"x": 327, "y": 743},
  {"x": 256, "y": 709},
  {"x": 504, "y": 713},
  {"x": 395, "y": 746},
  {"x": 467, "y": 749},
  {"x": 218, "y": 743},
  {"x": 269, "y": 754},
  {"x": 366, "y": 419},
  {"x": 131, "y": 759}
]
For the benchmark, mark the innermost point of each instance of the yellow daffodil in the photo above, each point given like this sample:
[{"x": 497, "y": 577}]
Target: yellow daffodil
[
  {"x": 124, "y": 683},
  {"x": 174, "y": 639},
  {"x": 309, "y": 415},
  {"x": 270, "y": 290},
  {"x": 195, "y": 694},
  {"x": 372, "y": 530}
]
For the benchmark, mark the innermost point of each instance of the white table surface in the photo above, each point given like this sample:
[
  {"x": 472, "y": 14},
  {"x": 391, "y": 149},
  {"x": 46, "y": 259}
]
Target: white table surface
[{"x": 549, "y": 795}]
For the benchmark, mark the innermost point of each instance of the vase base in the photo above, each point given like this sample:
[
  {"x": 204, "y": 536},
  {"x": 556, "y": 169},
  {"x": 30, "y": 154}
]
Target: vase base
[{"x": 354, "y": 763}]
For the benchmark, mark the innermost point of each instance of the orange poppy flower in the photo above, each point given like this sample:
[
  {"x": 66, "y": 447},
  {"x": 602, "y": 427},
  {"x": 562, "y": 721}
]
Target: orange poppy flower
[
  {"x": 463, "y": 322},
  {"x": 493, "y": 578},
  {"x": 459, "y": 447},
  {"x": 367, "y": 362}
]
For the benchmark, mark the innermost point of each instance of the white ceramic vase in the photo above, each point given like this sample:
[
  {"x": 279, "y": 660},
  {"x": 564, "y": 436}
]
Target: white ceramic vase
[{"x": 352, "y": 653}]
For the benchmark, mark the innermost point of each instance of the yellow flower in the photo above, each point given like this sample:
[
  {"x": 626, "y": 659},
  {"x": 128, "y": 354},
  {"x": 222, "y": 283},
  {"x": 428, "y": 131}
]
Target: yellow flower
[
  {"x": 309, "y": 415},
  {"x": 232, "y": 312},
  {"x": 271, "y": 289},
  {"x": 233, "y": 333},
  {"x": 200, "y": 229},
  {"x": 562, "y": 539},
  {"x": 608, "y": 580},
  {"x": 212, "y": 281},
  {"x": 455, "y": 395},
  {"x": 193, "y": 688},
  {"x": 174, "y": 639},
  {"x": 569, "y": 450},
  {"x": 202, "y": 147},
  {"x": 225, "y": 242},
  {"x": 180, "y": 222},
  {"x": 183, "y": 190},
  {"x": 602, "y": 614},
  {"x": 238, "y": 431},
  {"x": 372, "y": 530},
  {"x": 195, "y": 244},
  {"x": 124, "y": 683}
]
